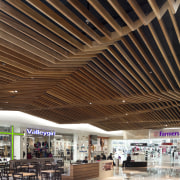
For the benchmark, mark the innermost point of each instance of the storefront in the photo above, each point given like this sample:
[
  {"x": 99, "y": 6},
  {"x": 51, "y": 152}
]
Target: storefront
[
  {"x": 43, "y": 143},
  {"x": 10, "y": 140},
  {"x": 160, "y": 143}
]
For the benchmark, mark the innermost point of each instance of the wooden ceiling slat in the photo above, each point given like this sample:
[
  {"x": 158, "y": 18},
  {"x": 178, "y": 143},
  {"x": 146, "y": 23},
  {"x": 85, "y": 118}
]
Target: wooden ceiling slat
[
  {"x": 46, "y": 23},
  {"x": 23, "y": 29},
  {"x": 62, "y": 22},
  {"x": 48, "y": 52},
  {"x": 132, "y": 52},
  {"x": 72, "y": 62},
  {"x": 142, "y": 34},
  {"x": 169, "y": 43},
  {"x": 126, "y": 83},
  {"x": 175, "y": 25},
  {"x": 158, "y": 42},
  {"x": 144, "y": 19},
  {"x": 76, "y": 20},
  {"x": 122, "y": 13},
  {"x": 102, "y": 11},
  {"x": 14, "y": 40},
  {"x": 122, "y": 71},
  {"x": 148, "y": 61},
  {"x": 104, "y": 76},
  {"x": 96, "y": 82},
  {"x": 124, "y": 89},
  {"x": 158, "y": 12},
  {"x": 174, "y": 4},
  {"x": 36, "y": 27},
  {"x": 130, "y": 71},
  {"x": 76, "y": 4},
  {"x": 97, "y": 74}
]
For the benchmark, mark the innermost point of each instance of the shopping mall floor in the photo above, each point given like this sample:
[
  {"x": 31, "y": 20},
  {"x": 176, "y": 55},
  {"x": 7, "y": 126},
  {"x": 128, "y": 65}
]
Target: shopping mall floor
[{"x": 164, "y": 168}]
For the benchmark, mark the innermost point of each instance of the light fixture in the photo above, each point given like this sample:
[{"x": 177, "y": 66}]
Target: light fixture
[
  {"x": 126, "y": 114},
  {"x": 90, "y": 103},
  {"x": 150, "y": 72},
  {"x": 87, "y": 21},
  {"x": 13, "y": 91},
  {"x": 123, "y": 101}
]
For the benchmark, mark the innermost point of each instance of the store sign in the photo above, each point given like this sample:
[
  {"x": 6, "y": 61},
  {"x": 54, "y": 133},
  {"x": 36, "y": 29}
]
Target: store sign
[
  {"x": 40, "y": 132},
  {"x": 138, "y": 144},
  {"x": 166, "y": 133},
  {"x": 167, "y": 144}
]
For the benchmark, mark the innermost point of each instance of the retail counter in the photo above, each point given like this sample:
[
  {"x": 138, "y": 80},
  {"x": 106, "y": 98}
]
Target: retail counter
[{"x": 99, "y": 170}]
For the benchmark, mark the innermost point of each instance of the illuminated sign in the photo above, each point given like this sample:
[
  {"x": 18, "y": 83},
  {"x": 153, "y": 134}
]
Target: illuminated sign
[
  {"x": 169, "y": 133},
  {"x": 40, "y": 132},
  {"x": 138, "y": 144},
  {"x": 165, "y": 133}
]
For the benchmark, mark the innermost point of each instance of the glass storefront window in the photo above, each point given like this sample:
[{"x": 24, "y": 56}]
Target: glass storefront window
[
  {"x": 5, "y": 143},
  {"x": 62, "y": 146},
  {"x": 5, "y": 147},
  {"x": 5, "y": 129}
]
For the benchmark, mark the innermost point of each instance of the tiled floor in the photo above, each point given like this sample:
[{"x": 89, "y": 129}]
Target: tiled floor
[{"x": 160, "y": 169}]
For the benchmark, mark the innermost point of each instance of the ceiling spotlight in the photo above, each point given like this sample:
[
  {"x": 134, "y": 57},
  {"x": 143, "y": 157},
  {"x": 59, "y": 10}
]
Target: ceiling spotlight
[
  {"x": 13, "y": 92},
  {"x": 90, "y": 103},
  {"x": 123, "y": 101},
  {"x": 87, "y": 21},
  {"x": 126, "y": 114},
  {"x": 166, "y": 125},
  {"x": 150, "y": 72}
]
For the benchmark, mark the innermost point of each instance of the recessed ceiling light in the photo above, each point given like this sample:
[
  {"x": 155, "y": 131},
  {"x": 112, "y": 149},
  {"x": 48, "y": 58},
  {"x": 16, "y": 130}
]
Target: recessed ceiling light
[
  {"x": 90, "y": 103},
  {"x": 15, "y": 91},
  {"x": 123, "y": 101},
  {"x": 150, "y": 72},
  {"x": 166, "y": 125},
  {"x": 126, "y": 114},
  {"x": 87, "y": 21}
]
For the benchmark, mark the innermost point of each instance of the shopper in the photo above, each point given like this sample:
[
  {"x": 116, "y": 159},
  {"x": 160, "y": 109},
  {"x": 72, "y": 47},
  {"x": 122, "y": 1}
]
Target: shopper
[
  {"x": 103, "y": 157},
  {"x": 111, "y": 158},
  {"x": 85, "y": 160},
  {"x": 128, "y": 160}
]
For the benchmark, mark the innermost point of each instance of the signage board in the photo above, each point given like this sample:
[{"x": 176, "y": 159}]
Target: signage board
[
  {"x": 138, "y": 144},
  {"x": 165, "y": 133},
  {"x": 31, "y": 131}
]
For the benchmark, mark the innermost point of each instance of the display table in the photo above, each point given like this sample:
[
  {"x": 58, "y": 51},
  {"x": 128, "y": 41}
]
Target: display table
[{"x": 98, "y": 170}]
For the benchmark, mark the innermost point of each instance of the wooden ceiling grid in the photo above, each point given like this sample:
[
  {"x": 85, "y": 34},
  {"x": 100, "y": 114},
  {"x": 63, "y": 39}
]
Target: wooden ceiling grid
[{"x": 113, "y": 64}]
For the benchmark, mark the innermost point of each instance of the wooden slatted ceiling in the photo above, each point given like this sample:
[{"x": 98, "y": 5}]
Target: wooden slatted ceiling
[{"x": 114, "y": 64}]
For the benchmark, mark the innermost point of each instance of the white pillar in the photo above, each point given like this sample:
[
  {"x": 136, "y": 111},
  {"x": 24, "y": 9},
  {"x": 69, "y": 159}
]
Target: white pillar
[
  {"x": 23, "y": 144},
  {"x": 75, "y": 142},
  {"x": 17, "y": 143}
]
